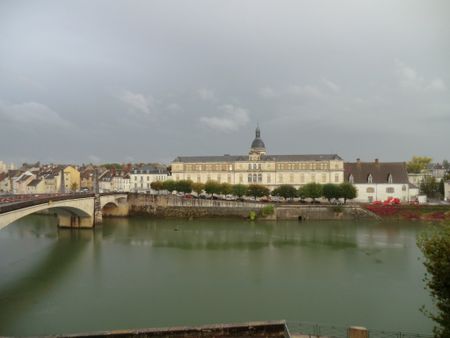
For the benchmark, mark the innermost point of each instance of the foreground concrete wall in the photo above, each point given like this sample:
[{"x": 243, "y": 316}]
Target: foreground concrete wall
[{"x": 276, "y": 329}]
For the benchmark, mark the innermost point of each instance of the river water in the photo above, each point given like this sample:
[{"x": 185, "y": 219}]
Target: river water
[{"x": 140, "y": 272}]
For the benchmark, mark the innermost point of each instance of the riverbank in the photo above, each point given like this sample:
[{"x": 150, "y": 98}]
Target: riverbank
[
  {"x": 169, "y": 206},
  {"x": 411, "y": 212}
]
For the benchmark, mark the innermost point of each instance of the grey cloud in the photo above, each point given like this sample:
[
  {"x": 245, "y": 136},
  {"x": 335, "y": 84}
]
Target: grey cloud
[{"x": 231, "y": 119}]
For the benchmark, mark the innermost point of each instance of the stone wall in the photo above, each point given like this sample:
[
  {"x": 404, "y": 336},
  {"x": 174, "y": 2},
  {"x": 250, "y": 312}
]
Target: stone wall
[{"x": 174, "y": 206}]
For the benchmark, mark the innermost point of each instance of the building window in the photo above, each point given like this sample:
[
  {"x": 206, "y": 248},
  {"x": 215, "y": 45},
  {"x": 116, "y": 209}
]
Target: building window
[
  {"x": 336, "y": 178},
  {"x": 259, "y": 178},
  {"x": 302, "y": 178},
  {"x": 351, "y": 179},
  {"x": 389, "y": 190},
  {"x": 241, "y": 179},
  {"x": 324, "y": 178},
  {"x": 255, "y": 178},
  {"x": 313, "y": 177},
  {"x": 249, "y": 166},
  {"x": 370, "y": 178},
  {"x": 403, "y": 187},
  {"x": 249, "y": 178},
  {"x": 291, "y": 178},
  {"x": 268, "y": 178},
  {"x": 229, "y": 179},
  {"x": 280, "y": 179},
  {"x": 370, "y": 190},
  {"x": 389, "y": 179}
]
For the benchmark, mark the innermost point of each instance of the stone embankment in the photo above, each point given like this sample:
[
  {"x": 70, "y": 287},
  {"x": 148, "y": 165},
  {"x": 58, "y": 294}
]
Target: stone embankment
[{"x": 169, "y": 206}]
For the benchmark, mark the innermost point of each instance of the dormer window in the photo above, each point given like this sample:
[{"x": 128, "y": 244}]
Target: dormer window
[
  {"x": 370, "y": 178},
  {"x": 389, "y": 179},
  {"x": 351, "y": 179}
]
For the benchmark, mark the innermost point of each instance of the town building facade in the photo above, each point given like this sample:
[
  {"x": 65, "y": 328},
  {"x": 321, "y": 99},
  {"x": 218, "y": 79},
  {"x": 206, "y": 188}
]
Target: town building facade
[
  {"x": 378, "y": 181},
  {"x": 260, "y": 168},
  {"x": 142, "y": 177}
]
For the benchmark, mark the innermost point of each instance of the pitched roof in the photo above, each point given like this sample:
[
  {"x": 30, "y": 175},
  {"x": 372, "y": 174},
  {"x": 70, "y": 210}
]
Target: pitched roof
[
  {"x": 34, "y": 182},
  {"x": 380, "y": 172},
  {"x": 238, "y": 158}
]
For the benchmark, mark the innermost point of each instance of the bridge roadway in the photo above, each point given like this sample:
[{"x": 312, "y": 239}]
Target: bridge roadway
[{"x": 72, "y": 210}]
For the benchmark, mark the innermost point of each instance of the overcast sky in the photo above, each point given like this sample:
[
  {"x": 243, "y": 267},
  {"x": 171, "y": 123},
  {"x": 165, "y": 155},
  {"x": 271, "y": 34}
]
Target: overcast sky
[{"x": 141, "y": 80}]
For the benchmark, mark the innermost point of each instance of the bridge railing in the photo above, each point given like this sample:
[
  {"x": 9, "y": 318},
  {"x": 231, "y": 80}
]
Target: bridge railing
[
  {"x": 41, "y": 200},
  {"x": 331, "y": 331}
]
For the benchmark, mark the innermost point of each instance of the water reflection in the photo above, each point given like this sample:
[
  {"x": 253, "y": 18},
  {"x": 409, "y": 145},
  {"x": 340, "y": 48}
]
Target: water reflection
[{"x": 140, "y": 272}]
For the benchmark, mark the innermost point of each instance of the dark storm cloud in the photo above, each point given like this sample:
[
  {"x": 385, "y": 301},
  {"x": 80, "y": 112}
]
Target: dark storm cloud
[{"x": 85, "y": 81}]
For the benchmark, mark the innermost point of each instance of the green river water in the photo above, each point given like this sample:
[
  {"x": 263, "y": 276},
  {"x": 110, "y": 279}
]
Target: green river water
[{"x": 140, "y": 272}]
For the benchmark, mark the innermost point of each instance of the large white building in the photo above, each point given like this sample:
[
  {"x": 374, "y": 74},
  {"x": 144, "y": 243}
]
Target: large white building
[
  {"x": 258, "y": 167},
  {"x": 378, "y": 181},
  {"x": 142, "y": 177}
]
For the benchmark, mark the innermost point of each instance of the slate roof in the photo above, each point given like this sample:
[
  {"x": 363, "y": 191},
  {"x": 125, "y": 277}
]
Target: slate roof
[
  {"x": 379, "y": 170},
  {"x": 149, "y": 170},
  {"x": 237, "y": 158}
]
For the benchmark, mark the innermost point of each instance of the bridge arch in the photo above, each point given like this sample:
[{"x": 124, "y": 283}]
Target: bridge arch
[{"x": 70, "y": 213}]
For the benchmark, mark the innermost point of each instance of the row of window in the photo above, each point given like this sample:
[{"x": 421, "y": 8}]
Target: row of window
[
  {"x": 389, "y": 190},
  {"x": 258, "y": 178},
  {"x": 255, "y": 166}
]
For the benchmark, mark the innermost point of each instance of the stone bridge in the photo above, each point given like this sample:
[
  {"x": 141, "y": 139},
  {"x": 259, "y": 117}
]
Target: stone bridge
[{"x": 73, "y": 211}]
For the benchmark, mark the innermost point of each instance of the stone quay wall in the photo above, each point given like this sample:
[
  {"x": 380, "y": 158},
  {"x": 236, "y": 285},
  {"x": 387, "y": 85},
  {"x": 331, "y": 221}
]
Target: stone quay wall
[{"x": 170, "y": 206}]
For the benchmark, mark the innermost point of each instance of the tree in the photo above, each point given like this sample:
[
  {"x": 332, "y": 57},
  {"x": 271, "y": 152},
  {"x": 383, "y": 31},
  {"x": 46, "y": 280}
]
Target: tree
[
  {"x": 157, "y": 185},
  {"x": 184, "y": 186},
  {"x": 446, "y": 165},
  {"x": 331, "y": 191},
  {"x": 435, "y": 246},
  {"x": 429, "y": 186},
  {"x": 239, "y": 190},
  {"x": 301, "y": 193},
  {"x": 285, "y": 190},
  {"x": 312, "y": 190},
  {"x": 212, "y": 187},
  {"x": 257, "y": 190},
  {"x": 198, "y": 187},
  {"x": 417, "y": 164},
  {"x": 169, "y": 185},
  {"x": 226, "y": 188},
  {"x": 74, "y": 187},
  {"x": 347, "y": 191}
]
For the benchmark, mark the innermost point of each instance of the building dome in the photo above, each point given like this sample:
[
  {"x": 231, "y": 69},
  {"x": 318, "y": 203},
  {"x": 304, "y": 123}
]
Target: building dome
[{"x": 258, "y": 145}]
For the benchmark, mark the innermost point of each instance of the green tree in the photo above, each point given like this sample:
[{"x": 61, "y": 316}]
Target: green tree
[
  {"x": 312, "y": 190},
  {"x": 157, "y": 185},
  {"x": 301, "y": 192},
  {"x": 226, "y": 188},
  {"x": 198, "y": 187},
  {"x": 286, "y": 191},
  {"x": 429, "y": 186},
  {"x": 417, "y": 164},
  {"x": 347, "y": 191},
  {"x": 169, "y": 185},
  {"x": 184, "y": 186},
  {"x": 212, "y": 187},
  {"x": 435, "y": 246},
  {"x": 239, "y": 190},
  {"x": 446, "y": 165},
  {"x": 257, "y": 190},
  {"x": 331, "y": 191}
]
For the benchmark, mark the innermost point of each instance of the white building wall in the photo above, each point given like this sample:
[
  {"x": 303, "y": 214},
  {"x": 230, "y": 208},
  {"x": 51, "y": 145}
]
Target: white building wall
[
  {"x": 380, "y": 192},
  {"x": 447, "y": 191}
]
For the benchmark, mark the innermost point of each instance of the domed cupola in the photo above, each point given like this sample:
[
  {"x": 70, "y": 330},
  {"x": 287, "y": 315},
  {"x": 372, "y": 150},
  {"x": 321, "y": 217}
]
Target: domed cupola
[{"x": 258, "y": 146}]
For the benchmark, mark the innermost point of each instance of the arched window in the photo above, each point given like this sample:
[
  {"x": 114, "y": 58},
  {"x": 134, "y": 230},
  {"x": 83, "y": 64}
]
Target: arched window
[
  {"x": 255, "y": 178},
  {"x": 389, "y": 178},
  {"x": 370, "y": 178},
  {"x": 351, "y": 179}
]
